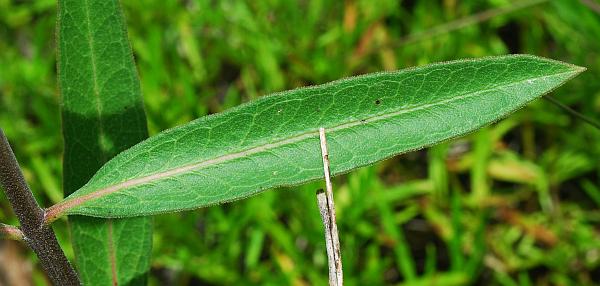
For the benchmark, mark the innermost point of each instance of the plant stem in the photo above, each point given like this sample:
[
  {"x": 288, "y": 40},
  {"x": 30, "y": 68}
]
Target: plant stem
[
  {"x": 594, "y": 6},
  {"x": 324, "y": 210},
  {"x": 38, "y": 236},
  {"x": 573, "y": 112},
  {"x": 465, "y": 22},
  {"x": 328, "y": 216},
  {"x": 10, "y": 232}
]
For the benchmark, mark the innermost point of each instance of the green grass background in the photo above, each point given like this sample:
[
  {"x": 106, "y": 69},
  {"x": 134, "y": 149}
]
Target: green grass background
[{"x": 516, "y": 203}]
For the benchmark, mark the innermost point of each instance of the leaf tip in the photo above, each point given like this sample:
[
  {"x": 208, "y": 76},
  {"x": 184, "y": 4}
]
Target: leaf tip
[{"x": 578, "y": 69}]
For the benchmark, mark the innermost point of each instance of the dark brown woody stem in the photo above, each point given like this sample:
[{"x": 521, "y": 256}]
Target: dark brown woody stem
[{"x": 37, "y": 235}]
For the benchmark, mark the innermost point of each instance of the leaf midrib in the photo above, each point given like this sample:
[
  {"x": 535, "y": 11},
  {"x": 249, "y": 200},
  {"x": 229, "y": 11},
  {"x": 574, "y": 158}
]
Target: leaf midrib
[
  {"x": 98, "y": 105},
  {"x": 103, "y": 156},
  {"x": 59, "y": 209}
]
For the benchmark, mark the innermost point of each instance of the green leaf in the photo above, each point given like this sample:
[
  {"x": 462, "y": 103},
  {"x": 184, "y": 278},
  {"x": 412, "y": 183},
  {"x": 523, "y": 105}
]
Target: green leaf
[
  {"x": 274, "y": 141},
  {"x": 103, "y": 115}
]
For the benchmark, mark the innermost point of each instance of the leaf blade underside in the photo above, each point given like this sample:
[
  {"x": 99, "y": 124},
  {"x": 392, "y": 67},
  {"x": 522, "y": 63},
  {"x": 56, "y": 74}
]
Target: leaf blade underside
[
  {"x": 274, "y": 141},
  {"x": 102, "y": 115}
]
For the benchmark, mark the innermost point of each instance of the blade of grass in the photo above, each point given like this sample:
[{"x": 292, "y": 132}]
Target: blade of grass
[
  {"x": 404, "y": 258},
  {"x": 430, "y": 260},
  {"x": 481, "y": 154},
  {"x": 438, "y": 173},
  {"x": 466, "y": 21},
  {"x": 455, "y": 243},
  {"x": 474, "y": 262},
  {"x": 592, "y": 191}
]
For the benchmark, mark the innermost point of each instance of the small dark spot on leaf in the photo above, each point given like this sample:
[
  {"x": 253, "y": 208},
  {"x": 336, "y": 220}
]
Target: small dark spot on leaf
[{"x": 377, "y": 101}]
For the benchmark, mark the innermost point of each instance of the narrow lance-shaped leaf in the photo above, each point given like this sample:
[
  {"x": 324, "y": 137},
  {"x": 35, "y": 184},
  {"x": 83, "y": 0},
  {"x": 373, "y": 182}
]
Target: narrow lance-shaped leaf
[
  {"x": 102, "y": 115},
  {"x": 274, "y": 141}
]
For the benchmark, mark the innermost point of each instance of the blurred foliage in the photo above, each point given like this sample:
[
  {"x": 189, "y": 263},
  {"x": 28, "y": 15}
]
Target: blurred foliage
[{"x": 514, "y": 204}]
